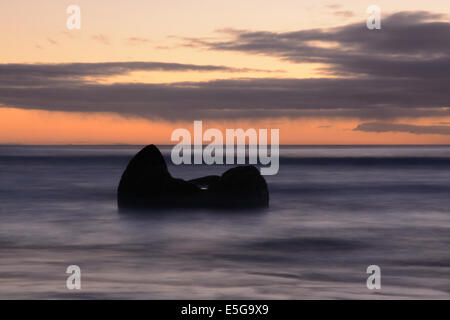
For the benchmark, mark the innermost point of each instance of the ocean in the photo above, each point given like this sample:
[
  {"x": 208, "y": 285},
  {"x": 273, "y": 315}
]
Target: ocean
[{"x": 334, "y": 211}]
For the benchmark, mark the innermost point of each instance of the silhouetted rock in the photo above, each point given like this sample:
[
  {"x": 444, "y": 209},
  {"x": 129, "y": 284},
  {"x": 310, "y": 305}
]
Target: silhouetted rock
[
  {"x": 204, "y": 182},
  {"x": 147, "y": 183},
  {"x": 242, "y": 186}
]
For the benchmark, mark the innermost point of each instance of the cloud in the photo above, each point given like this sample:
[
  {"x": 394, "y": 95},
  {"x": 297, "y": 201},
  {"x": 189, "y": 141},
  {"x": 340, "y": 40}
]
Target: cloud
[
  {"x": 409, "y": 45},
  {"x": 102, "y": 39},
  {"x": 138, "y": 40},
  {"x": 344, "y": 13},
  {"x": 69, "y": 34},
  {"x": 240, "y": 98},
  {"x": 52, "y": 41},
  {"x": 60, "y": 74},
  {"x": 401, "y": 71},
  {"x": 333, "y": 6},
  {"x": 398, "y": 127}
]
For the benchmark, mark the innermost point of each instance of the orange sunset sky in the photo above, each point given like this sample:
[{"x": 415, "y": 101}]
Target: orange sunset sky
[{"x": 310, "y": 68}]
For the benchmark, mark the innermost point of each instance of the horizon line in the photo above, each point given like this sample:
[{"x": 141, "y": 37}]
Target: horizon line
[{"x": 170, "y": 145}]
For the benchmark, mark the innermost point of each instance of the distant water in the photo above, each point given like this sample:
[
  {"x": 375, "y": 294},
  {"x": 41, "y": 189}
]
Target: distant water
[{"x": 333, "y": 212}]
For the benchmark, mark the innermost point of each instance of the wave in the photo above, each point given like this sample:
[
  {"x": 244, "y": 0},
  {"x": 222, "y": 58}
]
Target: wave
[
  {"x": 293, "y": 161},
  {"x": 354, "y": 188},
  {"x": 366, "y": 161}
]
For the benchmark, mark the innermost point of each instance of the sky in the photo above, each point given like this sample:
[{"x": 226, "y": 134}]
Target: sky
[{"x": 137, "y": 69}]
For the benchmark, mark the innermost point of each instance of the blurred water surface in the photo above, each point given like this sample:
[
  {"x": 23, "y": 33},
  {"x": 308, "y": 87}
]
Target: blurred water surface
[{"x": 333, "y": 212}]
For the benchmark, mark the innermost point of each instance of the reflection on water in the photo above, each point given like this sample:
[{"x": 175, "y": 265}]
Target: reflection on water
[{"x": 330, "y": 217}]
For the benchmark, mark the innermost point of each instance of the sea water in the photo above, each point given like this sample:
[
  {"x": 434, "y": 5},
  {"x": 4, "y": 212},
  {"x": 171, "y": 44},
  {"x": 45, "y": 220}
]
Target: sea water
[{"x": 334, "y": 210}]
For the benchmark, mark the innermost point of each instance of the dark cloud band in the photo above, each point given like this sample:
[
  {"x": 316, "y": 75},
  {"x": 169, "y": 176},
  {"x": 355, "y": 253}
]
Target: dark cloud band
[
  {"x": 244, "y": 98},
  {"x": 399, "y": 127},
  {"x": 42, "y": 74},
  {"x": 401, "y": 71},
  {"x": 410, "y": 44}
]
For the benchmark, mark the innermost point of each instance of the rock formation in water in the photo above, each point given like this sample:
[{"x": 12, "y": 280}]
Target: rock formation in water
[{"x": 147, "y": 183}]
